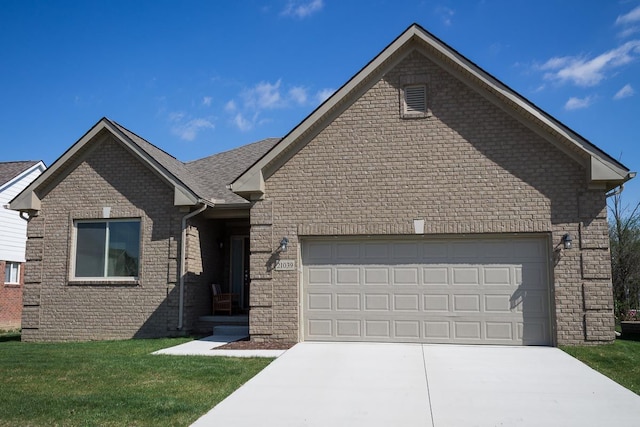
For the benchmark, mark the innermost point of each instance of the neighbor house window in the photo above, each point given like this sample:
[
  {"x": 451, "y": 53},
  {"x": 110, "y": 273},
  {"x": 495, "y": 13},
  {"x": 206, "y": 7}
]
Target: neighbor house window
[
  {"x": 12, "y": 273},
  {"x": 107, "y": 248}
]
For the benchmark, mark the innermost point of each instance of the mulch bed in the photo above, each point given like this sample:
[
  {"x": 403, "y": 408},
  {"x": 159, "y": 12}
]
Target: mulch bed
[{"x": 246, "y": 344}]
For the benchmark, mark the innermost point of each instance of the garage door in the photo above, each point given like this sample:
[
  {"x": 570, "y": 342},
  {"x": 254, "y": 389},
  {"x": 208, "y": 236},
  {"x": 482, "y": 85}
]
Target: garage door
[{"x": 468, "y": 291}]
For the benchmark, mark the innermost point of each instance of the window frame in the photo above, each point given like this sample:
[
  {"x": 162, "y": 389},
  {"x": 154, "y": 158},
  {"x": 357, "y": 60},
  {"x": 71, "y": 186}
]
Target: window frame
[
  {"x": 105, "y": 278},
  {"x": 7, "y": 273}
]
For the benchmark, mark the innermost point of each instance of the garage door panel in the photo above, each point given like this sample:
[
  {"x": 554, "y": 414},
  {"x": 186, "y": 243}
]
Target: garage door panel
[
  {"x": 377, "y": 302},
  {"x": 319, "y": 253},
  {"x": 497, "y": 304},
  {"x": 320, "y": 276},
  {"x": 348, "y": 328},
  {"x": 347, "y": 276},
  {"x": 406, "y": 276},
  {"x": 498, "y": 276},
  {"x": 405, "y": 252},
  {"x": 376, "y": 276},
  {"x": 467, "y": 330},
  {"x": 376, "y": 329},
  {"x": 376, "y": 251},
  {"x": 320, "y": 328},
  {"x": 409, "y": 302},
  {"x": 465, "y": 276},
  {"x": 437, "y": 330},
  {"x": 445, "y": 291},
  {"x": 436, "y": 303},
  {"x": 435, "y": 275},
  {"x": 348, "y": 252},
  {"x": 466, "y": 303},
  {"x": 348, "y": 302},
  {"x": 320, "y": 302},
  {"x": 499, "y": 331},
  {"x": 409, "y": 329}
]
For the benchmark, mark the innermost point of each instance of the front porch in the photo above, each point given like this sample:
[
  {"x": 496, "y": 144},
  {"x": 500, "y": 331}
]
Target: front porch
[
  {"x": 223, "y": 325},
  {"x": 217, "y": 252}
]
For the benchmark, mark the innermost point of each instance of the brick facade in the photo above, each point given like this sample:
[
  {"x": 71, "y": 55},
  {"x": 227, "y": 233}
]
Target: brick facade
[
  {"x": 56, "y": 309},
  {"x": 467, "y": 168},
  {"x": 10, "y": 300}
]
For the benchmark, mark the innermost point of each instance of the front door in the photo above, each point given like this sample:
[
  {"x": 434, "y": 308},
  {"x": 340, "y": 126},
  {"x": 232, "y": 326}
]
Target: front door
[{"x": 240, "y": 270}]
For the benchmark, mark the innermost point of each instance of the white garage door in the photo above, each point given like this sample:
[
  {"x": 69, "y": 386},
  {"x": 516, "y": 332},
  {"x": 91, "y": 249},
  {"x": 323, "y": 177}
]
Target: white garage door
[{"x": 471, "y": 291}]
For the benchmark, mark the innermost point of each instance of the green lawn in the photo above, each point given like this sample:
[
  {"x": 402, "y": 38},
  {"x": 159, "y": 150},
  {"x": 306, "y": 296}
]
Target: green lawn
[
  {"x": 112, "y": 383},
  {"x": 619, "y": 361}
]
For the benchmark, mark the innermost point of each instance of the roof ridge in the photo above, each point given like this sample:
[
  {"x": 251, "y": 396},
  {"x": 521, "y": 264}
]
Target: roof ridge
[{"x": 144, "y": 139}]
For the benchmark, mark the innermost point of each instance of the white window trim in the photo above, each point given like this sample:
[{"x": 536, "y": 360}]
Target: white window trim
[
  {"x": 105, "y": 278},
  {"x": 6, "y": 266}
]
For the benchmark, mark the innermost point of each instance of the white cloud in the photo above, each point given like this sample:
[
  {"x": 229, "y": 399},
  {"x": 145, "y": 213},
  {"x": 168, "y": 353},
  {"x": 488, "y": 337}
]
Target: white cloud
[
  {"x": 629, "y": 23},
  {"x": 248, "y": 110},
  {"x": 577, "y": 103},
  {"x": 242, "y": 123},
  {"x": 206, "y": 101},
  {"x": 324, "y": 94},
  {"x": 625, "y": 92},
  {"x": 230, "y": 106},
  {"x": 589, "y": 72},
  {"x": 445, "y": 14},
  {"x": 263, "y": 95},
  {"x": 629, "y": 18},
  {"x": 298, "y": 94},
  {"x": 189, "y": 130},
  {"x": 301, "y": 9}
]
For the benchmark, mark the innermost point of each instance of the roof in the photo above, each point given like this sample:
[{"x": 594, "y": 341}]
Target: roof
[
  {"x": 10, "y": 170},
  {"x": 215, "y": 173},
  {"x": 603, "y": 171},
  {"x": 201, "y": 181}
]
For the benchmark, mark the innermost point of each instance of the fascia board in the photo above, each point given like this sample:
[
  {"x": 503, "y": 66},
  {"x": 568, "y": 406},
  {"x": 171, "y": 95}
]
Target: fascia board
[{"x": 25, "y": 201}]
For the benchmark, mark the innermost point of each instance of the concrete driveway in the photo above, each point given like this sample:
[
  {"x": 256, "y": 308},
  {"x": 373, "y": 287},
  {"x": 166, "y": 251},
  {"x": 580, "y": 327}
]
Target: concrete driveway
[{"x": 368, "y": 384}]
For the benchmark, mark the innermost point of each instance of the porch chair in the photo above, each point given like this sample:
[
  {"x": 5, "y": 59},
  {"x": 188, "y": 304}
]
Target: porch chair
[{"x": 222, "y": 302}]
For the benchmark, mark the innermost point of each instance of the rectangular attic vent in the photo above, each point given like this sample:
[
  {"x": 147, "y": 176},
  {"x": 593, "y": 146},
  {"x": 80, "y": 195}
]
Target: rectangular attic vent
[{"x": 415, "y": 99}]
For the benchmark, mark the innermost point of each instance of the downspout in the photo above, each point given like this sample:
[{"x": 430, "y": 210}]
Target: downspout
[{"x": 183, "y": 260}]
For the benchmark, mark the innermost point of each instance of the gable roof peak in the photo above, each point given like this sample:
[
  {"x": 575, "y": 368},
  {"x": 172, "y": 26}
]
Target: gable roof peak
[{"x": 609, "y": 173}]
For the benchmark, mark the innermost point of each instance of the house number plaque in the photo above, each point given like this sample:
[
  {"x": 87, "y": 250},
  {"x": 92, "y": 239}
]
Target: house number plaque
[{"x": 285, "y": 265}]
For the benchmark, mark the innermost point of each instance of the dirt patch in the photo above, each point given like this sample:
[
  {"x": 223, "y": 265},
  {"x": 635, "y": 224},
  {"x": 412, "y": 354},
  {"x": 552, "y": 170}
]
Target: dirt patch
[{"x": 252, "y": 345}]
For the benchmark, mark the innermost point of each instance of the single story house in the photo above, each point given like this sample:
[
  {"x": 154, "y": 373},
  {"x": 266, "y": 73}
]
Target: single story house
[
  {"x": 425, "y": 201},
  {"x": 14, "y": 177}
]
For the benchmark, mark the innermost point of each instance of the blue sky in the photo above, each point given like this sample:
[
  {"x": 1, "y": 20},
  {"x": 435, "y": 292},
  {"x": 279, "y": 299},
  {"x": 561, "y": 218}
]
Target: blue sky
[{"x": 199, "y": 77}]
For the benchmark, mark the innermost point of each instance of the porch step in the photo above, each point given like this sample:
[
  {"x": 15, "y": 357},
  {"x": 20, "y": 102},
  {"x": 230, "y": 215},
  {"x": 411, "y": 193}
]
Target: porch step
[
  {"x": 206, "y": 324},
  {"x": 231, "y": 330}
]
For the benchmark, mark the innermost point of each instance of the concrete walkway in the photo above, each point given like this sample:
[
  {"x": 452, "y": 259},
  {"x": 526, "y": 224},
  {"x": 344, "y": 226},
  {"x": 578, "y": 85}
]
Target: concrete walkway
[
  {"x": 368, "y": 384},
  {"x": 209, "y": 347}
]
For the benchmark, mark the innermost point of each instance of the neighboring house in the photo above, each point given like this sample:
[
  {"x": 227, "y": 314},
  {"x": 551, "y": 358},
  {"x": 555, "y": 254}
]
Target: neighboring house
[
  {"x": 14, "y": 177},
  {"x": 424, "y": 201}
]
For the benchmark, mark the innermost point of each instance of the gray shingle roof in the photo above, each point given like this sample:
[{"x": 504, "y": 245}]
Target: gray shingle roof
[
  {"x": 9, "y": 170},
  {"x": 217, "y": 171},
  {"x": 208, "y": 177}
]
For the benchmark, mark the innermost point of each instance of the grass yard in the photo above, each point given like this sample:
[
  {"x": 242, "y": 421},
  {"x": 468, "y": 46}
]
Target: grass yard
[
  {"x": 619, "y": 361},
  {"x": 112, "y": 383}
]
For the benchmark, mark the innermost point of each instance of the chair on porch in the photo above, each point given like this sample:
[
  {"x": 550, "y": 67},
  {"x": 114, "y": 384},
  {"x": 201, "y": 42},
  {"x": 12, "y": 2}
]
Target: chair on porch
[{"x": 222, "y": 302}]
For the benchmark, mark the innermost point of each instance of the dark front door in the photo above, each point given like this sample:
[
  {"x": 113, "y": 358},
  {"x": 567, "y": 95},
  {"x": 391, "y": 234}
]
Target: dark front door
[{"x": 240, "y": 269}]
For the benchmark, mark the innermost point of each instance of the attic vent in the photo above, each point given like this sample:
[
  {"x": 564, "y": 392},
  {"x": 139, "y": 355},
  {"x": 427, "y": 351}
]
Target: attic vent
[{"x": 415, "y": 99}]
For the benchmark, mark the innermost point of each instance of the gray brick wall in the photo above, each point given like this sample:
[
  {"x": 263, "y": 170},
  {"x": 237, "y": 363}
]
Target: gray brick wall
[
  {"x": 468, "y": 168},
  {"x": 57, "y": 310}
]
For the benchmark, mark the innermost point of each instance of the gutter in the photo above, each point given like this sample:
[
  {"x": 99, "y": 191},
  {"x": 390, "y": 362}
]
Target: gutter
[{"x": 183, "y": 258}]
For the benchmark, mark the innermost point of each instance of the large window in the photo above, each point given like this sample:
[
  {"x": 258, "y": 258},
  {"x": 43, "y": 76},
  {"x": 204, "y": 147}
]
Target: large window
[
  {"x": 107, "y": 248},
  {"x": 12, "y": 273}
]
